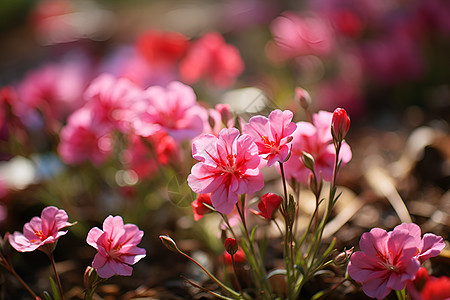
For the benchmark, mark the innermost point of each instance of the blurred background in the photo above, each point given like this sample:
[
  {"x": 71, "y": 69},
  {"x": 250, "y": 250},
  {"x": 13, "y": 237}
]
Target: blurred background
[{"x": 387, "y": 62}]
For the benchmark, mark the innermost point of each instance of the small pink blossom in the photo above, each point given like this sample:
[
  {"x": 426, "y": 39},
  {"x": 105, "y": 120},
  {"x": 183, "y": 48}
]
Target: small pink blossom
[
  {"x": 41, "y": 231},
  {"x": 212, "y": 59},
  {"x": 228, "y": 167},
  {"x": 55, "y": 89},
  {"x": 297, "y": 35},
  {"x": 272, "y": 135},
  {"x": 117, "y": 247},
  {"x": 83, "y": 139},
  {"x": 110, "y": 100},
  {"x": 173, "y": 109},
  {"x": 389, "y": 260},
  {"x": 316, "y": 140}
]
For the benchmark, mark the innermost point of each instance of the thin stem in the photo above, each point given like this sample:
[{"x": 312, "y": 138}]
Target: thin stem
[
  {"x": 58, "y": 282},
  {"x": 288, "y": 238},
  {"x": 236, "y": 274},
  {"x": 259, "y": 268},
  {"x": 12, "y": 271},
  {"x": 232, "y": 292}
]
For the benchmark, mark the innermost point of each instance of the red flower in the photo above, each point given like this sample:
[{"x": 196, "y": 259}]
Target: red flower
[
  {"x": 239, "y": 257},
  {"x": 199, "y": 209},
  {"x": 340, "y": 124},
  {"x": 162, "y": 47},
  {"x": 212, "y": 59},
  {"x": 268, "y": 205},
  {"x": 436, "y": 289}
]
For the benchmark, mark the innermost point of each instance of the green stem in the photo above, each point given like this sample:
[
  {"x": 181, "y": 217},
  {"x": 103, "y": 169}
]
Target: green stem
[
  {"x": 259, "y": 270},
  {"x": 232, "y": 292},
  {"x": 58, "y": 282},
  {"x": 288, "y": 238}
]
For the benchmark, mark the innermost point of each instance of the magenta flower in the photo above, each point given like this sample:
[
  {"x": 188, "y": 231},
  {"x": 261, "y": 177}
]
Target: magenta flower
[
  {"x": 117, "y": 247},
  {"x": 316, "y": 140},
  {"x": 228, "y": 167},
  {"x": 272, "y": 135},
  {"x": 41, "y": 231},
  {"x": 173, "y": 110},
  {"x": 388, "y": 260}
]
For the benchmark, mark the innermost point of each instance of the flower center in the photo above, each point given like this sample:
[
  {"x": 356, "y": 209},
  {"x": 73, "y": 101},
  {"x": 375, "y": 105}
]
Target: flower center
[
  {"x": 39, "y": 234},
  {"x": 267, "y": 143},
  {"x": 114, "y": 252},
  {"x": 386, "y": 261}
]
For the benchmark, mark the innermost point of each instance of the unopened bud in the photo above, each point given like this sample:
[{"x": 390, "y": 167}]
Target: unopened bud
[
  {"x": 340, "y": 124},
  {"x": 308, "y": 161},
  {"x": 231, "y": 246},
  {"x": 225, "y": 113},
  {"x": 303, "y": 97},
  {"x": 169, "y": 243},
  {"x": 90, "y": 277},
  {"x": 343, "y": 257}
]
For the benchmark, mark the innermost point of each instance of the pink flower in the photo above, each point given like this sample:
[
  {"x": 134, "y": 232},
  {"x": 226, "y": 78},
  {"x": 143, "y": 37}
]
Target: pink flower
[
  {"x": 110, "y": 100},
  {"x": 228, "y": 167},
  {"x": 297, "y": 35},
  {"x": 268, "y": 205},
  {"x": 272, "y": 135},
  {"x": 199, "y": 209},
  {"x": 389, "y": 260},
  {"x": 83, "y": 139},
  {"x": 173, "y": 109},
  {"x": 340, "y": 124},
  {"x": 211, "y": 58},
  {"x": 117, "y": 247},
  {"x": 316, "y": 140},
  {"x": 54, "y": 89},
  {"x": 41, "y": 231},
  {"x": 428, "y": 246}
]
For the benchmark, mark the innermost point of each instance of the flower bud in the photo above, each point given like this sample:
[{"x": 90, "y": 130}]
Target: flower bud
[
  {"x": 308, "y": 161},
  {"x": 90, "y": 277},
  {"x": 231, "y": 246},
  {"x": 303, "y": 97},
  {"x": 340, "y": 124},
  {"x": 169, "y": 243},
  {"x": 343, "y": 257},
  {"x": 225, "y": 113},
  {"x": 268, "y": 205}
]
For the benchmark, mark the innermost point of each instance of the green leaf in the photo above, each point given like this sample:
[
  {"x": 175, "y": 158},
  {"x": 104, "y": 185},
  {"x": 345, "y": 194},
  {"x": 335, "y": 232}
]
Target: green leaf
[
  {"x": 54, "y": 289},
  {"x": 47, "y": 296},
  {"x": 318, "y": 295},
  {"x": 252, "y": 235},
  {"x": 275, "y": 272}
]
